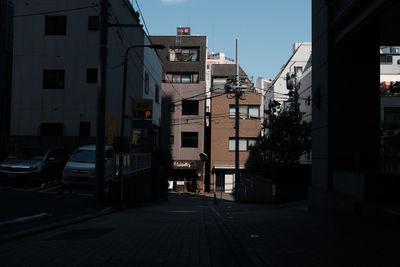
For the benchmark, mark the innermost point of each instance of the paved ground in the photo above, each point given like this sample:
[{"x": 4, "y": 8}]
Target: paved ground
[
  {"x": 190, "y": 231},
  {"x": 30, "y": 206}
]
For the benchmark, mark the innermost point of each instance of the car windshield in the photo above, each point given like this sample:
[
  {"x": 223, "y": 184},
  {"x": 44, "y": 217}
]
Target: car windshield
[
  {"x": 29, "y": 153},
  {"x": 87, "y": 156}
]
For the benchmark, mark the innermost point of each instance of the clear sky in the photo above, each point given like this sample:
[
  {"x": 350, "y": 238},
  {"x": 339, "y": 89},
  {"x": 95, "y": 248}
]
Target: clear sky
[{"x": 266, "y": 29}]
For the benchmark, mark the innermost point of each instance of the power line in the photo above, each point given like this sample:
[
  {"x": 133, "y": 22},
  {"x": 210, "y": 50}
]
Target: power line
[
  {"x": 144, "y": 22},
  {"x": 187, "y": 98},
  {"x": 205, "y": 98},
  {"x": 55, "y": 11},
  {"x": 269, "y": 90},
  {"x": 123, "y": 33}
]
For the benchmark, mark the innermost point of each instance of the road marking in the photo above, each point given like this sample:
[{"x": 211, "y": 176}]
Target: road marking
[{"x": 24, "y": 219}]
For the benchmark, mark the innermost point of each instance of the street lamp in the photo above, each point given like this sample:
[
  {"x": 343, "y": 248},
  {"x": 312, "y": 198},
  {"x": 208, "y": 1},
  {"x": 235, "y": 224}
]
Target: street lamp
[{"x": 154, "y": 46}]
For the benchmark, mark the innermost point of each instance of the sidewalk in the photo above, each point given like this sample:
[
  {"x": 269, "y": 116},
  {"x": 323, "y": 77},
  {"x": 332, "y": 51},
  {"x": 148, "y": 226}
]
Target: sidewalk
[
  {"x": 189, "y": 230},
  {"x": 289, "y": 235}
]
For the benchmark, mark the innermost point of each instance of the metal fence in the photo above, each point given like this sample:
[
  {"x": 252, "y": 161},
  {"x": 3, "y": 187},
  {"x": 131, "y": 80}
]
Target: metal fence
[
  {"x": 135, "y": 163},
  {"x": 390, "y": 157}
]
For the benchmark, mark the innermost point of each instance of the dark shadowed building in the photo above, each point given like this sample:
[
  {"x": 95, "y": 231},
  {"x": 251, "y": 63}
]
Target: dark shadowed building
[
  {"x": 6, "y": 41},
  {"x": 347, "y": 36}
]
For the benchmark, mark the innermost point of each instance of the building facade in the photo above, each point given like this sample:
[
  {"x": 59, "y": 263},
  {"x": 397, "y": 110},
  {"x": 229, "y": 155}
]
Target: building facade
[
  {"x": 304, "y": 83},
  {"x": 296, "y": 64},
  {"x": 346, "y": 170},
  {"x": 55, "y": 76},
  {"x": 184, "y": 103},
  {"x": 263, "y": 87},
  {"x": 6, "y": 39},
  {"x": 222, "y": 154}
]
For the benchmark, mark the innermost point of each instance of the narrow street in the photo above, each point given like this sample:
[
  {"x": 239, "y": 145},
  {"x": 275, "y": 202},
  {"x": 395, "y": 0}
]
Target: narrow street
[{"x": 190, "y": 231}]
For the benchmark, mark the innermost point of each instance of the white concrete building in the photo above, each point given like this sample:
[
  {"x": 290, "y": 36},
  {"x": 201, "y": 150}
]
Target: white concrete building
[
  {"x": 56, "y": 58},
  {"x": 297, "y": 63},
  {"x": 305, "y": 94},
  {"x": 263, "y": 88}
]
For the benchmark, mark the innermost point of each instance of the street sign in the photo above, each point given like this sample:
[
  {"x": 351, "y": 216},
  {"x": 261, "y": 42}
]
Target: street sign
[{"x": 143, "y": 109}]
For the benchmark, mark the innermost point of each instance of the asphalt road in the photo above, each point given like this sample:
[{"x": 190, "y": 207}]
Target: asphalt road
[
  {"x": 26, "y": 206},
  {"x": 189, "y": 230}
]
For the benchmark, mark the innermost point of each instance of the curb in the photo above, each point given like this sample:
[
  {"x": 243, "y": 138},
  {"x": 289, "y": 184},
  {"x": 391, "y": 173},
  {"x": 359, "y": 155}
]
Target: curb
[{"x": 41, "y": 229}]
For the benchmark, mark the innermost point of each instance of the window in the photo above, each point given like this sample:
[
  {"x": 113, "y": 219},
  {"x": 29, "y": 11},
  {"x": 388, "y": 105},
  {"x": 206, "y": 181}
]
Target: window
[
  {"x": 298, "y": 71},
  {"x": 51, "y": 129},
  {"x": 157, "y": 96},
  {"x": 219, "y": 84},
  {"x": 55, "y": 25},
  {"x": 190, "y": 139},
  {"x": 84, "y": 128},
  {"x": 386, "y": 59},
  {"x": 170, "y": 139},
  {"x": 184, "y": 54},
  {"x": 245, "y": 111},
  {"x": 93, "y": 23},
  {"x": 244, "y": 143},
  {"x": 171, "y": 107},
  {"x": 91, "y": 75},
  {"x": 190, "y": 107},
  {"x": 146, "y": 83},
  {"x": 254, "y": 112},
  {"x": 53, "y": 79},
  {"x": 183, "y": 77}
]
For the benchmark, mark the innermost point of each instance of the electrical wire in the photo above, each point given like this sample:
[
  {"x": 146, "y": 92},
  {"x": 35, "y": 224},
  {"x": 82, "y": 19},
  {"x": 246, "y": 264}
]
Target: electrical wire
[
  {"x": 55, "y": 11},
  {"x": 123, "y": 33},
  {"x": 141, "y": 14}
]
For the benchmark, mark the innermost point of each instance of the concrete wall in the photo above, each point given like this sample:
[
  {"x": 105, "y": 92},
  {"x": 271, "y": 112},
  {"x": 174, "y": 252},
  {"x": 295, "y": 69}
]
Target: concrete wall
[
  {"x": 6, "y": 25},
  {"x": 305, "y": 94}
]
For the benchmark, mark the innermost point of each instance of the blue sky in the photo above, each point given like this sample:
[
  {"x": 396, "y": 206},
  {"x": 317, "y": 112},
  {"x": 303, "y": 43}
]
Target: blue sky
[{"x": 266, "y": 29}]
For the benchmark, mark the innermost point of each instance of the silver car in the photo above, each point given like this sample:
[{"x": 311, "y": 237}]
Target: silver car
[
  {"x": 81, "y": 167},
  {"x": 34, "y": 163}
]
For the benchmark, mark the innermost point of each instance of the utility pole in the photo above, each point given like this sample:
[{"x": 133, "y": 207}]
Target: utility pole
[
  {"x": 101, "y": 103},
  {"x": 238, "y": 94}
]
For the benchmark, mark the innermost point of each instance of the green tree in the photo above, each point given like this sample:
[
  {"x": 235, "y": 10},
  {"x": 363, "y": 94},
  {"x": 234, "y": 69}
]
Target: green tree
[{"x": 287, "y": 137}]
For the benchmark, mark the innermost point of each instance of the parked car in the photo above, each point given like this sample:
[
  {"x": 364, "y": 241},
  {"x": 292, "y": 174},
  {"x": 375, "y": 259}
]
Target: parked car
[
  {"x": 34, "y": 163},
  {"x": 81, "y": 167}
]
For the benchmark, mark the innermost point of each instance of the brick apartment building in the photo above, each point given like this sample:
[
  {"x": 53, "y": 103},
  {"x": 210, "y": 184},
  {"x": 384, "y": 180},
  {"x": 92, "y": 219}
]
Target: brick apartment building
[{"x": 222, "y": 156}]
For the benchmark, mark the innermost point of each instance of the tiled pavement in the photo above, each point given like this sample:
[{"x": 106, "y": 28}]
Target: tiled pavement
[{"x": 190, "y": 231}]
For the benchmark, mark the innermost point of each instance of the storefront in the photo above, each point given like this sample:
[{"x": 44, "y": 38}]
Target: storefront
[{"x": 186, "y": 176}]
